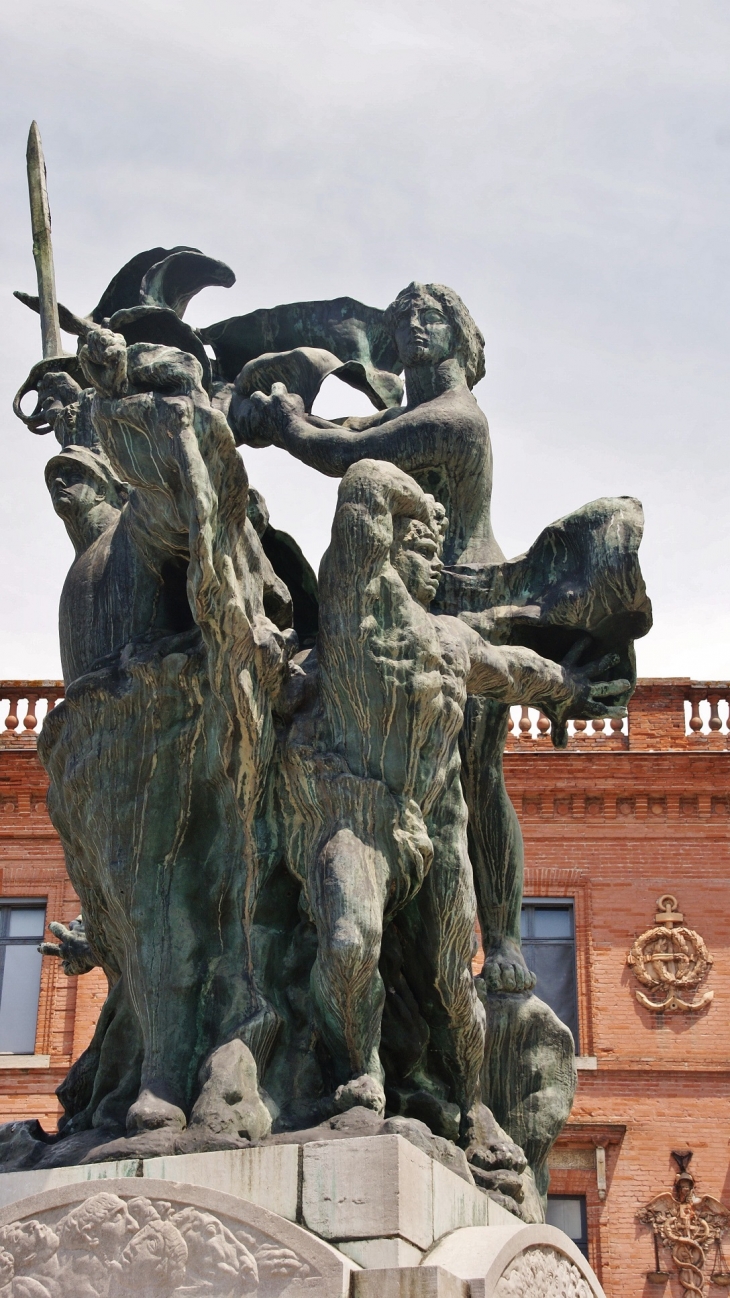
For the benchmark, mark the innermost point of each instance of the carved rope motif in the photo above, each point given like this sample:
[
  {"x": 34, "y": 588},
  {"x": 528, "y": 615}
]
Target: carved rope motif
[{"x": 668, "y": 958}]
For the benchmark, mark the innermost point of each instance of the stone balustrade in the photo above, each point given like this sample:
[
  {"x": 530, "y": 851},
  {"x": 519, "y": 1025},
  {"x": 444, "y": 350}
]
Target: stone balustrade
[
  {"x": 27, "y": 703},
  {"x": 531, "y": 724},
  {"x": 708, "y": 705},
  {"x": 665, "y": 713}
]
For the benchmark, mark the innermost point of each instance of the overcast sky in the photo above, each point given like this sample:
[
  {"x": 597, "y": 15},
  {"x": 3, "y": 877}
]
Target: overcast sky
[{"x": 564, "y": 166}]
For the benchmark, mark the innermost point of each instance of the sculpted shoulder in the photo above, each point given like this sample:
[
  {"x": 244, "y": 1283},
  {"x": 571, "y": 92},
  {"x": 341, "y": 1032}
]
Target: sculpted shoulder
[{"x": 461, "y": 424}]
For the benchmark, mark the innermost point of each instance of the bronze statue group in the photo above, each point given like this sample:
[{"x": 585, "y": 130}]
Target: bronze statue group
[{"x": 283, "y": 832}]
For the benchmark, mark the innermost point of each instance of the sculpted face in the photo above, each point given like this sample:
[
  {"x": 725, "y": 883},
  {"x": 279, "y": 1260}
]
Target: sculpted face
[
  {"x": 423, "y": 335},
  {"x": 74, "y": 490},
  {"x": 31, "y": 1241},
  {"x": 212, "y": 1248},
  {"x": 43, "y": 1240},
  {"x": 114, "y": 1230},
  {"x": 417, "y": 562},
  {"x": 56, "y": 392},
  {"x": 144, "y": 1252},
  {"x": 156, "y": 1254}
]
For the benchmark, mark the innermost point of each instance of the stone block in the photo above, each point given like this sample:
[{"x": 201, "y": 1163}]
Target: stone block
[
  {"x": 267, "y": 1175},
  {"x": 368, "y": 1189},
  {"x": 19, "y": 1185},
  {"x": 409, "y": 1282},
  {"x": 381, "y": 1254},
  {"x": 264, "y": 1175},
  {"x": 455, "y": 1202}
]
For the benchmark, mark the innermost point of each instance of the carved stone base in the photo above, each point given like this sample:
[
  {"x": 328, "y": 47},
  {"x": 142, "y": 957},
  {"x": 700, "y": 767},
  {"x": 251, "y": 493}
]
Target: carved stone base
[{"x": 275, "y": 1219}]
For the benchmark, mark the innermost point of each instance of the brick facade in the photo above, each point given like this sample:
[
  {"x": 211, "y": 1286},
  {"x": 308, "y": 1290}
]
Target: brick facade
[
  {"x": 615, "y": 823},
  {"x": 32, "y": 865},
  {"x": 621, "y": 818}
]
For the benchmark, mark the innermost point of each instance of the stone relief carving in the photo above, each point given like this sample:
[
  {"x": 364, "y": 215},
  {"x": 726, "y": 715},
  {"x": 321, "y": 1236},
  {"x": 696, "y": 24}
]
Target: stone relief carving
[
  {"x": 688, "y": 1225},
  {"x": 113, "y": 1242},
  {"x": 670, "y": 958},
  {"x": 542, "y": 1273}
]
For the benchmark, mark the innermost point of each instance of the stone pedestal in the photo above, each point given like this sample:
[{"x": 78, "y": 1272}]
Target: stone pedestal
[{"x": 371, "y": 1216}]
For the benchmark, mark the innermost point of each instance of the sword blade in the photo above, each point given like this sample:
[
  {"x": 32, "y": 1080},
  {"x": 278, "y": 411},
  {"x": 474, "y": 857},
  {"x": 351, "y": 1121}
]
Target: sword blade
[{"x": 40, "y": 215}]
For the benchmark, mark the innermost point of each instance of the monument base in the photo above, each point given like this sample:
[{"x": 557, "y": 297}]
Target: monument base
[{"x": 370, "y": 1217}]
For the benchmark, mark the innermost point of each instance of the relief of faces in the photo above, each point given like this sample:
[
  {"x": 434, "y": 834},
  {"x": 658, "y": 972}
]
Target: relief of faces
[
  {"x": 110, "y": 1247},
  {"x": 153, "y": 1264},
  {"x": 29, "y": 1243},
  {"x": 102, "y": 1224},
  {"x": 214, "y": 1250}
]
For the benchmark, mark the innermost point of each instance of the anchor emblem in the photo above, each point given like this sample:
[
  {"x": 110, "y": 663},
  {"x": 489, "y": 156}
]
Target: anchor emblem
[{"x": 670, "y": 958}]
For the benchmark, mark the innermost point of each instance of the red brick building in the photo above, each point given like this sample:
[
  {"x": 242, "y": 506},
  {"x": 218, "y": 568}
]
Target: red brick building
[
  {"x": 622, "y": 819},
  {"x": 33, "y": 875}
]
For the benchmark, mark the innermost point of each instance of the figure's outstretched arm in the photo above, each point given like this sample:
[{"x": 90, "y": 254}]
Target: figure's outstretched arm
[
  {"x": 410, "y": 438},
  {"x": 513, "y": 674}
]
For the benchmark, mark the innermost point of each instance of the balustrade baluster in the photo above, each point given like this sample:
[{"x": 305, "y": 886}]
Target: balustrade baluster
[
  {"x": 543, "y": 726},
  {"x": 30, "y": 720},
  {"x": 715, "y": 719},
  {"x": 599, "y": 725},
  {"x": 31, "y": 693},
  {"x": 617, "y": 724},
  {"x": 11, "y": 720},
  {"x": 695, "y": 721},
  {"x": 580, "y": 726},
  {"x": 525, "y": 723}
]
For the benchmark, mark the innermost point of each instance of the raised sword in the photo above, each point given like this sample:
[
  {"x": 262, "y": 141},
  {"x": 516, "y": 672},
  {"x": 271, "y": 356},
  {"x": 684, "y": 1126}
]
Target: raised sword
[{"x": 40, "y": 215}]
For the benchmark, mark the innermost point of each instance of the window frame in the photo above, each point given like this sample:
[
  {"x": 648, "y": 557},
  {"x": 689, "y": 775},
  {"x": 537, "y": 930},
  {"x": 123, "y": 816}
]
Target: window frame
[
  {"x": 7, "y": 906},
  {"x": 581, "y": 1243},
  {"x": 560, "y": 903}
]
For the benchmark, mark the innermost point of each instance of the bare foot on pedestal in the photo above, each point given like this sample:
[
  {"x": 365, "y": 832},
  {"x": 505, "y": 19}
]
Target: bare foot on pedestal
[
  {"x": 505, "y": 969},
  {"x": 366, "y": 1091}
]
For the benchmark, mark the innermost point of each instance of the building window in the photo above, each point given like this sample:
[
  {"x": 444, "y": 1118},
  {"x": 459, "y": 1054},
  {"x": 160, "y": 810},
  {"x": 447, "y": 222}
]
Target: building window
[
  {"x": 22, "y": 924},
  {"x": 568, "y": 1213},
  {"x": 548, "y": 945}
]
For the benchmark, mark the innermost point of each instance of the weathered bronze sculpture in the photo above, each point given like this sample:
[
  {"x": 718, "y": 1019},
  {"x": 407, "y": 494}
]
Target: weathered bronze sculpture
[
  {"x": 593, "y": 585},
  {"x": 281, "y": 842}
]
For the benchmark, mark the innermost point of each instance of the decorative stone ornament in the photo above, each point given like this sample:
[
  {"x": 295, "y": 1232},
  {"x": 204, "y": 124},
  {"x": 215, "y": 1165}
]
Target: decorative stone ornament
[
  {"x": 688, "y": 1225},
  {"x": 670, "y": 959},
  {"x": 153, "y": 1239},
  {"x": 531, "y": 1262},
  {"x": 541, "y": 1273}
]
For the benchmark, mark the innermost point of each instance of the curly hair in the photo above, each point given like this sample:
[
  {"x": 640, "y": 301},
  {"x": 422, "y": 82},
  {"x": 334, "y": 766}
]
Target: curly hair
[
  {"x": 168, "y": 1246},
  {"x": 77, "y": 1228},
  {"x": 469, "y": 337}
]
